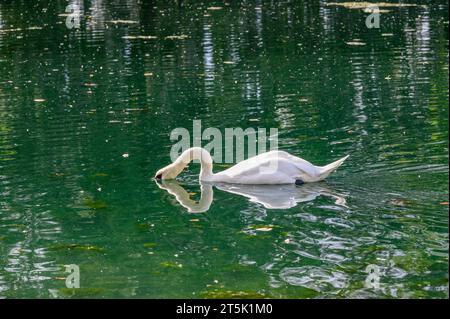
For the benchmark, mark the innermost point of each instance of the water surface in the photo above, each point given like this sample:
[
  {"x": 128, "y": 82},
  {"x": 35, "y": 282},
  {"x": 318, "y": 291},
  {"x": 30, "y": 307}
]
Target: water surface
[{"x": 74, "y": 101}]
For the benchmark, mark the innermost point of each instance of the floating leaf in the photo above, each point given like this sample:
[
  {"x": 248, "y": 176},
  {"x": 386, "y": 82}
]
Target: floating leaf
[
  {"x": 100, "y": 175},
  {"x": 149, "y": 245},
  {"x": 93, "y": 204}
]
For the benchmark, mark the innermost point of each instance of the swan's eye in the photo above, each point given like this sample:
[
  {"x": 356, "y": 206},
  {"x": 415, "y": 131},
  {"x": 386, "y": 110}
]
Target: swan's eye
[{"x": 159, "y": 176}]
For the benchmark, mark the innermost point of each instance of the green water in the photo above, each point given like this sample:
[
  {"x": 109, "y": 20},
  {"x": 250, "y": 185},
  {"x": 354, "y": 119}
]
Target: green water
[{"x": 73, "y": 101}]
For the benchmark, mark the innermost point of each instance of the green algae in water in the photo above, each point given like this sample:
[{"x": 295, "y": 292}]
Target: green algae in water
[
  {"x": 230, "y": 294},
  {"x": 100, "y": 175},
  {"x": 81, "y": 292},
  {"x": 149, "y": 245}
]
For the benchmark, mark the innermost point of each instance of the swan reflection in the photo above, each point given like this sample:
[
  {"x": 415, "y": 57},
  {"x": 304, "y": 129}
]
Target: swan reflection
[{"x": 270, "y": 196}]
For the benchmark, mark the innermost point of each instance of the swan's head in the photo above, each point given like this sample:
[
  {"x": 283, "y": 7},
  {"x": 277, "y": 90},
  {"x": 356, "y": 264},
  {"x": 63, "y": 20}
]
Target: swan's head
[{"x": 169, "y": 172}]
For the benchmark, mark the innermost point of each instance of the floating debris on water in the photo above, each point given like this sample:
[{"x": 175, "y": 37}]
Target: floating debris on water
[
  {"x": 399, "y": 202},
  {"x": 355, "y": 43},
  {"x": 365, "y": 4},
  {"x": 39, "y": 100},
  {"x": 19, "y": 29},
  {"x": 176, "y": 37},
  {"x": 95, "y": 204},
  {"x": 148, "y": 74},
  {"x": 100, "y": 175},
  {"x": 76, "y": 247},
  {"x": 125, "y": 155},
  {"x": 122, "y": 21},
  {"x": 56, "y": 174},
  {"x": 169, "y": 264},
  {"x": 139, "y": 37}
]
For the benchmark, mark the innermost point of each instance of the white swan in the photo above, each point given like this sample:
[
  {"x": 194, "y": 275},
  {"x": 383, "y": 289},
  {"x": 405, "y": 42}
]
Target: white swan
[{"x": 274, "y": 167}]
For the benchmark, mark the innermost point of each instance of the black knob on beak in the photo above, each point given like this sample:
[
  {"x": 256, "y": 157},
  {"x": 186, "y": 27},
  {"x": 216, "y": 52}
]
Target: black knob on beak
[{"x": 158, "y": 177}]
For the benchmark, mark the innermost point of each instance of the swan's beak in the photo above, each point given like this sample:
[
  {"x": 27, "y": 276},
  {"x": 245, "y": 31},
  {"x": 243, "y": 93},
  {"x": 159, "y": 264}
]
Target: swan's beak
[
  {"x": 163, "y": 173},
  {"x": 159, "y": 175},
  {"x": 169, "y": 172}
]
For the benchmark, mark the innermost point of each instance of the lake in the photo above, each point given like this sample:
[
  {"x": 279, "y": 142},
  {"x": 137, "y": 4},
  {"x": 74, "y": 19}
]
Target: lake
[{"x": 86, "y": 113}]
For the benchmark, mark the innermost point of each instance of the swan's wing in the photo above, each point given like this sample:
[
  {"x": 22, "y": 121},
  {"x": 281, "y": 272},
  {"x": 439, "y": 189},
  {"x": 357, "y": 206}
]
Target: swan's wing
[
  {"x": 263, "y": 171},
  {"x": 273, "y": 167}
]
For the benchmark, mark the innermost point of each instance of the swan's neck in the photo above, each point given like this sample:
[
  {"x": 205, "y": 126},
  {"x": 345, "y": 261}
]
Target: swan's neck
[{"x": 197, "y": 153}]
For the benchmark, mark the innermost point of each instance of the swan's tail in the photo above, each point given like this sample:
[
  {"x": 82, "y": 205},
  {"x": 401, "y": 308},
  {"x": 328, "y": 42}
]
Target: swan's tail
[{"x": 326, "y": 170}]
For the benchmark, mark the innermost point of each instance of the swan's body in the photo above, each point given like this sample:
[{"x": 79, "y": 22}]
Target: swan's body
[{"x": 274, "y": 167}]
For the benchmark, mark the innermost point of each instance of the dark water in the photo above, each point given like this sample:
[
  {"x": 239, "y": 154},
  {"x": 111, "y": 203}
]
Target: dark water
[{"x": 73, "y": 101}]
